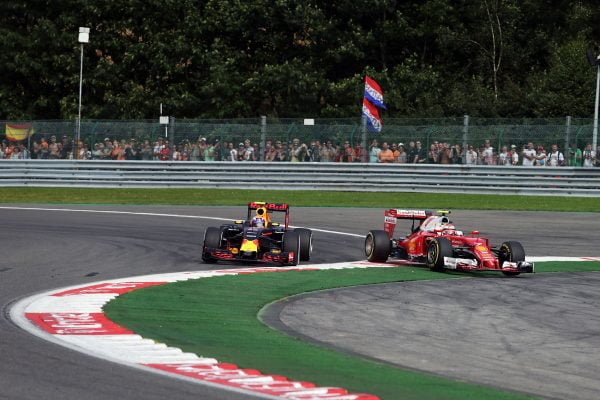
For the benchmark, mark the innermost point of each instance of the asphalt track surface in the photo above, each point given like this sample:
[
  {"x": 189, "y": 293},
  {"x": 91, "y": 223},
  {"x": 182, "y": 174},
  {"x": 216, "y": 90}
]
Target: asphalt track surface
[{"x": 43, "y": 250}]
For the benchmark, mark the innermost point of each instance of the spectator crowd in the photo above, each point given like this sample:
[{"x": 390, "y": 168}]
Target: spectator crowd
[{"x": 297, "y": 151}]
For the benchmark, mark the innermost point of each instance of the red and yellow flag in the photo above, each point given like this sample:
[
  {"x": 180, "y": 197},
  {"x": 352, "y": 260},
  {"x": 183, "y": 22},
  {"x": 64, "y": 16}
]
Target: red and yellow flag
[{"x": 17, "y": 132}]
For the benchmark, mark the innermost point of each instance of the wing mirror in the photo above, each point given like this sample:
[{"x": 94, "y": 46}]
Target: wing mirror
[{"x": 474, "y": 233}]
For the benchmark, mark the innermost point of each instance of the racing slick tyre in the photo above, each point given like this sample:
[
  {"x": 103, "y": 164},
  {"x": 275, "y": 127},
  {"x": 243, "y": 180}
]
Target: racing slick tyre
[
  {"x": 212, "y": 239},
  {"x": 513, "y": 252},
  {"x": 291, "y": 243},
  {"x": 437, "y": 249},
  {"x": 305, "y": 243},
  {"x": 378, "y": 246}
]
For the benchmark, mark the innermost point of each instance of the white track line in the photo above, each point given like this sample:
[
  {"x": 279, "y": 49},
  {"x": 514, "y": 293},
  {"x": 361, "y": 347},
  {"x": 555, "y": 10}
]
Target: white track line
[{"x": 147, "y": 214}]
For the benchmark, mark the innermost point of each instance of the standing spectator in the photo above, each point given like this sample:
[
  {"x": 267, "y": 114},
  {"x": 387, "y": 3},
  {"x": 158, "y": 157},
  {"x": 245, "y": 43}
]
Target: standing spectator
[
  {"x": 231, "y": 153},
  {"x": 54, "y": 149},
  {"x": 84, "y": 152},
  {"x": 302, "y": 153},
  {"x": 488, "y": 153},
  {"x": 456, "y": 154},
  {"x": 432, "y": 155},
  {"x": 240, "y": 151},
  {"x": 158, "y": 146},
  {"x": 575, "y": 156},
  {"x": 402, "y": 156},
  {"x": 540, "y": 158},
  {"x": 514, "y": 155},
  {"x": 294, "y": 150},
  {"x": 44, "y": 152},
  {"x": 327, "y": 152},
  {"x": 444, "y": 156},
  {"x": 97, "y": 152},
  {"x": 196, "y": 152},
  {"x": 176, "y": 153},
  {"x": 421, "y": 156},
  {"x": 395, "y": 152},
  {"x": 347, "y": 153},
  {"x": 146, "y": 151},
  {"x": 210, "y": 153},
  {"x": 411, "y": 153},
  {"x": 107, "y": 150},
  {"x": 374, "y": 151},
  {"x": 470, "y": 155},
  {"x": 15, "y": 154},
  {"x": 315, "y": 151},
  {"x": 359, "y": 153},
  {"x": 529, "y": 155},
  {"x": 385, "y": 155},
  {"x": 280, "y": 153},
  {"x": 165, "y": 152},
  {"x": 117, "y": 151},
  {"x": 25, "y": 154},
  {"x": 131, "y": 151},
  {"x": 555, "y": 158},
  {"x": 504, "y": 157},
  {"x": 249, "y": 151},
  {"x": 67, "y": 148},
  {"x": 597, "y": 159},
  {"x": 268, "y": 149},
  {"x": 588, "y": 156}
]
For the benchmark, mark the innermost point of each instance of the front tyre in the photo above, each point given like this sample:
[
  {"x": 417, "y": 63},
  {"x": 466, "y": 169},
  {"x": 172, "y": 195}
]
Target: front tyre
[
  {"x": 212, "y": 240},
  {"x": 378, "y": 246},
  {"x": 305, "y": 243},
  {"x": 291, "y": 243},
  {"x": 511, "y": 251},
  {"x": 437, "y": 250}
]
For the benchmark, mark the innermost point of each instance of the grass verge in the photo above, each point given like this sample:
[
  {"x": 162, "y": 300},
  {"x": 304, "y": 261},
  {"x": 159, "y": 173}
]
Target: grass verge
[
  {"x": 230, "y": 197},
  {"x": 217, "y": 317}
]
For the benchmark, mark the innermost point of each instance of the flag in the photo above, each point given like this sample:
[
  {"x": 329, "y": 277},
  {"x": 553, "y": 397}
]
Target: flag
[
  {"x": 17, "y": 132},
  {"x": 370, "y": 111},
  {"x": 373, "y": 92}
]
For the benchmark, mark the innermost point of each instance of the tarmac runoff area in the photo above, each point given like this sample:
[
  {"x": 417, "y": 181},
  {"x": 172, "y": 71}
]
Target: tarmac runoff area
[{"x": 535, "y": 334}]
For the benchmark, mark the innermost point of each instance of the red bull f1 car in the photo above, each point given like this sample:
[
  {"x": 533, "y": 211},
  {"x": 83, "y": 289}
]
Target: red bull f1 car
[
  {"x": 436, "y": 243},
  {"x": 258, "y": 238}
]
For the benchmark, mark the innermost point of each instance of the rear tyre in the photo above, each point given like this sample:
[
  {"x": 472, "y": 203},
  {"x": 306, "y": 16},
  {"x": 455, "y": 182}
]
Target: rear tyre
[
  {"x": 305, "y": 243},
  {"x": 212, "y": 239},
  {"x": 437, "y": 249},
  {"x": 378, "y": 246},
  {"x": 291, "y": 243},
  {"x": 512, "y": 252}
]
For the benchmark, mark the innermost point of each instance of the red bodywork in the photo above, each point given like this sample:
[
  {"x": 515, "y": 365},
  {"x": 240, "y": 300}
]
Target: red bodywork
[{"x": 415, "y": 244}]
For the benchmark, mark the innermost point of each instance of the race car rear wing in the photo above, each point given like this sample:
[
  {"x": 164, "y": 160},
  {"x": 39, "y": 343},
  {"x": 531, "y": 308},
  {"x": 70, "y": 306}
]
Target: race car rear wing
[
  {"x": 263, "y": 209},
  {"x": 394, "y": 214}
]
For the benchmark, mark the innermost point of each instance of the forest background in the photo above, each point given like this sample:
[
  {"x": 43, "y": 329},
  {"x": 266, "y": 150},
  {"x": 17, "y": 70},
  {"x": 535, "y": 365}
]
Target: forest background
[{"x": 297, "y": 58}]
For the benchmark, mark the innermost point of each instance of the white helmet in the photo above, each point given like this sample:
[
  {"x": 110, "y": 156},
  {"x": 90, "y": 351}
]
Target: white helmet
[{"x": 258, "y": 222}]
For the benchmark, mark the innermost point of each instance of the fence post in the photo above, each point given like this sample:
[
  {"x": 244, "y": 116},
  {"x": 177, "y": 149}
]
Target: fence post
[
  {"x": 171, "y": 137},
  {"x": 263, "y": 137},
  {"x": 465, "y": 138},
  {"x": 365, "y": 153},
  {"x": 567, "y": 133}
]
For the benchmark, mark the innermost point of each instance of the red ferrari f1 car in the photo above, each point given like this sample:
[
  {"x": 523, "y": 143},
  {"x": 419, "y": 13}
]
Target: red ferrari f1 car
[
  {"x": 258, "y": 238},
  {"x": 435, "y": 242}
]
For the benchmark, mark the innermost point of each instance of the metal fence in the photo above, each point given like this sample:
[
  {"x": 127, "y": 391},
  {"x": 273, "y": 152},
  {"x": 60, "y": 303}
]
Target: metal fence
[
  {"x": 565, "y": 181},
  {"x": 461, "y": 131}
]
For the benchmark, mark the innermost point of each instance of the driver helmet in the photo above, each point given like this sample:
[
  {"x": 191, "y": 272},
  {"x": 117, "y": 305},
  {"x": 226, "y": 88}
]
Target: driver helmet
[{"x": 258, "y": 222}]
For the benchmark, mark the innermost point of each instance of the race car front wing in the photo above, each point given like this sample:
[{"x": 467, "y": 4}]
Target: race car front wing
[
  {"x": 267, "y": 257},
  {"x": 469, "y": 264}
]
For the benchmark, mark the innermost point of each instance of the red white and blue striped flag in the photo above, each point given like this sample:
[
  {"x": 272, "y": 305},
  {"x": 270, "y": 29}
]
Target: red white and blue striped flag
[
  {"x": 373, "y": 92},
  {"x": 370, "y": 111}
]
